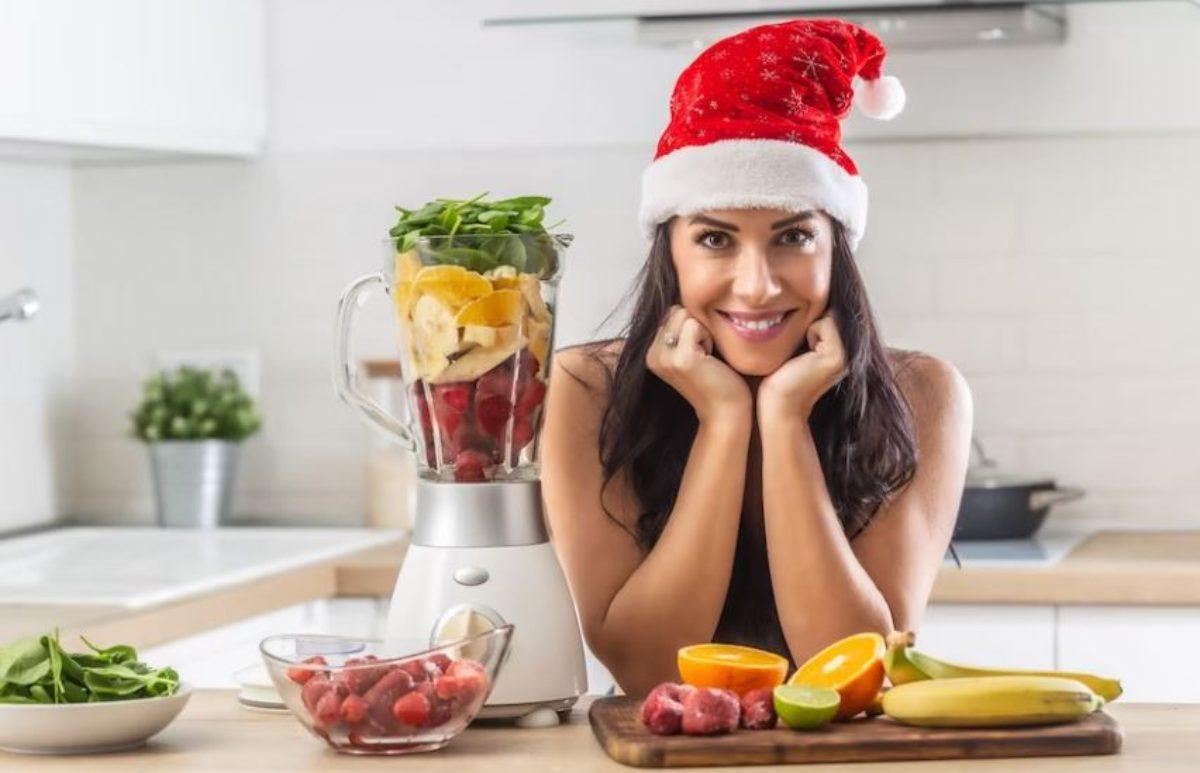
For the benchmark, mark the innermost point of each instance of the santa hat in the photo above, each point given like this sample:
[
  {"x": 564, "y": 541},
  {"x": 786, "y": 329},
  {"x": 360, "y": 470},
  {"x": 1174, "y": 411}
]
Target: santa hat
[{"x": 755, "y": 122}]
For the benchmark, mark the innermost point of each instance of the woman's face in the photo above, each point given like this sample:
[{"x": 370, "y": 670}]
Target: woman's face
[{"x": 756, "y": 278}]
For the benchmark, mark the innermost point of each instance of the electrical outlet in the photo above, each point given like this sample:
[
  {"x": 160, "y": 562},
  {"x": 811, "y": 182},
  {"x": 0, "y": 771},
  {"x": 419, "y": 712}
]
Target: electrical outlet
[{"x": 244, "y": 363}]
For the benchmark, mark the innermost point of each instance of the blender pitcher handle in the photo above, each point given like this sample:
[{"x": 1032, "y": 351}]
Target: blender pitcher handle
[{"x": 345, "y": 381}]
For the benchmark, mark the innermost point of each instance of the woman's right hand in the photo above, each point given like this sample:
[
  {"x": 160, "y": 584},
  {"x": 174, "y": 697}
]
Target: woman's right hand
[{"x": 681, "y": 355}]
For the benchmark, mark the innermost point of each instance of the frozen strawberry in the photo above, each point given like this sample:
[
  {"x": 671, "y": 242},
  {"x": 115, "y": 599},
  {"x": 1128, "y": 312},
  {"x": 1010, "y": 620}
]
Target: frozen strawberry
[
  {"x": 465, "y": 666},
  {"x": 662, "y": 710},
  {"x": 354, "y": 710},
  {"x": 314, "y": 689},
  {"x": 415, "y": 670},
  {"x": 440, "y": 712},
  {"x": 522, "y": 434},
  {"x": 497, "y": 381},
  {"x": 469, "y": 467},
  {"x": 358, "y": 676},
  {"x": 493, "y": 412},
  {"x": 380, "y": 698},
  {"x": 329, "y": 708},
  {"x": 441, "y": 660},
  {"x": 531, "y": 397},
  {"x": 455, "y": 398},
  {"x": 411, "y": 709},
  {"x": 758, "y": 709},
  {"x": 302, "y": 675},
  {"x": 527, "y": 366},
  {"x": 418, "y": 393},
  {"x": 711, "y": 711}
]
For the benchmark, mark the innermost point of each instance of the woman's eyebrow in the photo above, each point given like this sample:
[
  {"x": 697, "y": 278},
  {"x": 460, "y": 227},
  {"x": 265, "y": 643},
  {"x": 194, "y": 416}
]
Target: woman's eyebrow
[
  {"x": 712, "y": 221},
  {"x": 793, "y": 219}
]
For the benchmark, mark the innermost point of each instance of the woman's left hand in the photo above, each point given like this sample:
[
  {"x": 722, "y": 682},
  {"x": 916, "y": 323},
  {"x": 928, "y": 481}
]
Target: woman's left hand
[{"x": 794, "y": 389}]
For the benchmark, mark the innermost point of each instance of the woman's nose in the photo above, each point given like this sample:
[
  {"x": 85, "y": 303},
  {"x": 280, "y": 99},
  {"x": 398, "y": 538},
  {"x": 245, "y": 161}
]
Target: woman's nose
[{"x": 755, "y": 283}]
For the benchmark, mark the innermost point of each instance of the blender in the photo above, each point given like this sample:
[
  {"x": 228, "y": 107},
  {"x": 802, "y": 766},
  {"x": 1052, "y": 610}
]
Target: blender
[{"x": 475, "y": 319}]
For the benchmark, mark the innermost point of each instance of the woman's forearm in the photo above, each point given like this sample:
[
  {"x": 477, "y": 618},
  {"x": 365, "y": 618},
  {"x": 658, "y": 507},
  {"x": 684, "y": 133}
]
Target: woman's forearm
[
  {"x": 822, "y": 592},
  {"x": 676, "y": 595}
]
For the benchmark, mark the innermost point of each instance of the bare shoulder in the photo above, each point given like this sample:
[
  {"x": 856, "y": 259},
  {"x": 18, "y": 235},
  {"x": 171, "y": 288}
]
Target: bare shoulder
[
  {"x": 582, "y": 379},
  {"x": 932, "y": 386},
  {"x": 591, "y": 363}
]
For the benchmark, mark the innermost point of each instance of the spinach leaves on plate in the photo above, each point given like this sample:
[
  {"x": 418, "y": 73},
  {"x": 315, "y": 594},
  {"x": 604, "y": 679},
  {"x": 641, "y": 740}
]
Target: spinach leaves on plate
[{"x": 39, "y": 670}]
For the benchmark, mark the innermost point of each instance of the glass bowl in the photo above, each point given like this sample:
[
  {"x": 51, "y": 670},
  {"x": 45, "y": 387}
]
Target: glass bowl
[{"x": 365, "y": 696}]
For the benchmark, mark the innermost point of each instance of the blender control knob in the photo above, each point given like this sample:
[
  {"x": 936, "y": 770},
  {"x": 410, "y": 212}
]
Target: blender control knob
[{"x": 470, "y": 575}]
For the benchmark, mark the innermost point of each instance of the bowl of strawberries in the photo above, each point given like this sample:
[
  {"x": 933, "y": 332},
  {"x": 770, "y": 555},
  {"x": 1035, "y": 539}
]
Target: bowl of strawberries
[{"x": 365, "y": 696}]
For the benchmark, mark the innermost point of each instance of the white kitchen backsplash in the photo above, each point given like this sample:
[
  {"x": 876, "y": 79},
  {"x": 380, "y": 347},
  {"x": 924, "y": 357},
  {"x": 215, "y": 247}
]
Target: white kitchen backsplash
[
  {"x": 1055, "y": 272},
  {"x": 35, "y": 355}
]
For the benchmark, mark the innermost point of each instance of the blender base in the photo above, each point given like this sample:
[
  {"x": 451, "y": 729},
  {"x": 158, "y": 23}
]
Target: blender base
[{"x": 519, "y": 710}]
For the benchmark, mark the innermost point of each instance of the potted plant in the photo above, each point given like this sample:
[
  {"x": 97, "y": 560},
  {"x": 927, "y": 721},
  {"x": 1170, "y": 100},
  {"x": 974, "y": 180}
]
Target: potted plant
[{"x": 193, "y": 421}]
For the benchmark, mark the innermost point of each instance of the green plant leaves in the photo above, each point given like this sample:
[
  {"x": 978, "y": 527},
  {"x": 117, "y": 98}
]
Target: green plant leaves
[
  {"x": 520, "y": 239},
  {"x": 194, "y": 404},
  {"x": 38, "y": 670}
]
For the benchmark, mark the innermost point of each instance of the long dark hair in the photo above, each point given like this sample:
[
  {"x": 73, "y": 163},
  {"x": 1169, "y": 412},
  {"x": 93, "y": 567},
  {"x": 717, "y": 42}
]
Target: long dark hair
[{"x": 862, "y": 428}]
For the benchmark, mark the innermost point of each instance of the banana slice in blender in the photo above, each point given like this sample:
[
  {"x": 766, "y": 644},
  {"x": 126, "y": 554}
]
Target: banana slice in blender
[
  {"x": 434, "y": 336},
  {"x": 474, "y": 364},
  {"x": 531, "y": 289},
  {"x": 485, "y": 336}
]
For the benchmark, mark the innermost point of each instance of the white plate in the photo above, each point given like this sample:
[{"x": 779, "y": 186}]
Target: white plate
[{"x": 85, "y": 728}]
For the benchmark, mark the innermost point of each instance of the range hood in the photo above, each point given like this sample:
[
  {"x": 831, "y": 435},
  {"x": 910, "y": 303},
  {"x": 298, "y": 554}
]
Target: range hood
[{"x": 902, "y": 24}]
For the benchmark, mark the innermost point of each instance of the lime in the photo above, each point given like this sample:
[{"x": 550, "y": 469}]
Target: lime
[{"x": 802, "y": 707}]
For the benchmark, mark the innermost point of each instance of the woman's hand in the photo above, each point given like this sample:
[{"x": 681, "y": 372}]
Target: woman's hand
[
  {"x": 681, "y": 355},
  {"x": 793, "y": 390}
]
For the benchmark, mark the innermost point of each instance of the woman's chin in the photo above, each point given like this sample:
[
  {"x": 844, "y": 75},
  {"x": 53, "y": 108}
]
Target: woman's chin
[{"x": 749, "y": 365}]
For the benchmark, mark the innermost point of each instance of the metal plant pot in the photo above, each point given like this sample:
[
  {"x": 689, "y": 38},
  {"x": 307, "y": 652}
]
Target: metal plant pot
[{"x": 193, "y": 482}]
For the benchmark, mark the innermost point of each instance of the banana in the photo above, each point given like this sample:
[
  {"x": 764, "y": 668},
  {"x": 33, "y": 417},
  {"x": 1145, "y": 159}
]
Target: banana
[
  {"x": 482, "y": 335},
  {"x": 434, "y": 336},
  {"x": 904, "y": 665},
  {"x": 990, "y": 701}
]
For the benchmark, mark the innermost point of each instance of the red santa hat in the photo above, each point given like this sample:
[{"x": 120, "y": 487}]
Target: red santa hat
[{"x": 756, "y": 122}]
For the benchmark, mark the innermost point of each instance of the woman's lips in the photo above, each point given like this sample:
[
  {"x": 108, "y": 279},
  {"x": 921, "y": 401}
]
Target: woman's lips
[{"x": 757, "y": 327}]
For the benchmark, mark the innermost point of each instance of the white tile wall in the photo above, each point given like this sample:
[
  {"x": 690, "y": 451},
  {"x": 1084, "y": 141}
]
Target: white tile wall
[
  {"x": 36, "y": 355},
  {"x": 1079, "y": 344}
]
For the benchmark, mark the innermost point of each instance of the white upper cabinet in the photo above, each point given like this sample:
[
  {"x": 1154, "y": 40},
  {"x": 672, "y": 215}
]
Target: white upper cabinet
[{"x": 173, "y": 76}]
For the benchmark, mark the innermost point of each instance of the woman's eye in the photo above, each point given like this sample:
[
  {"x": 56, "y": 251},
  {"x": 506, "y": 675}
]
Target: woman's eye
[
  {"x": 796, "y": 237},
  {"x": 717, "y": 240}
]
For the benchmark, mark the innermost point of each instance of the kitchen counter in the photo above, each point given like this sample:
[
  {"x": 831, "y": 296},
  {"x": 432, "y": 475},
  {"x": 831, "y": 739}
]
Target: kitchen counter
[
  {"x": 215, "y": 733},
  {"x": 1106, "y": 568},
  {"x": 1151, "y": 568}
]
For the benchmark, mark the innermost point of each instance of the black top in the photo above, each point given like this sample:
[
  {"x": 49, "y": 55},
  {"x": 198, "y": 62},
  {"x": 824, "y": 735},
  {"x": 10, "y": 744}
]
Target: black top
[{"x": 749, "y": 616}]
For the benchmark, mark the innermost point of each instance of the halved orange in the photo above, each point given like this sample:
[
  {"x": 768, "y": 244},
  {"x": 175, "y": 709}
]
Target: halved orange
[
  {"x": 731, "y": 666},
  {"x": 853, "y": 667}
]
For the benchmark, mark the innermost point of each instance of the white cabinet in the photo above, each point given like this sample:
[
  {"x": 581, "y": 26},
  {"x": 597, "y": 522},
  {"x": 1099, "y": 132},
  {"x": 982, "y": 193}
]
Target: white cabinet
[
  {"x": 1151, "y": 649},
  {"x": 1001, "y": 635},
  {"x": 185, "y": 76}
]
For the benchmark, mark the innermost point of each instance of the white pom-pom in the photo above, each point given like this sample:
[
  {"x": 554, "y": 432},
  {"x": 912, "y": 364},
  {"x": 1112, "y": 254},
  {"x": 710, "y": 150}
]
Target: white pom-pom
[{"x": 881, "y": 99}]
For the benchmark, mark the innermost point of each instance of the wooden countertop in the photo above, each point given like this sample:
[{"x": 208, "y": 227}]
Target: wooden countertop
[
  {"x": 1159, "y": 568},
  {"x": 215, "y": 733}
]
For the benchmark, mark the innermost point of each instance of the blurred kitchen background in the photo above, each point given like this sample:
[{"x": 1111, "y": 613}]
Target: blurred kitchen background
[
  {"x": 204, "y": 176},
  {"x": 186, "y": 180}
]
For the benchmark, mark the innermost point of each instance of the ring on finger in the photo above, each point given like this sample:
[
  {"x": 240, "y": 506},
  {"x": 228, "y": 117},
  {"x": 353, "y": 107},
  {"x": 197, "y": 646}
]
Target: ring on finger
[{"x": 670, "y": 339}]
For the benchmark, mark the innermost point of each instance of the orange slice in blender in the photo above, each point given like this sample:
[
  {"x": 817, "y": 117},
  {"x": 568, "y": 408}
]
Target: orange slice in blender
[
  {"x": 853, "y": 667},
  {"x": 498, "y": 309},
  {"x": 454, "y": 286},
  {"x": 731, "y": 666}
]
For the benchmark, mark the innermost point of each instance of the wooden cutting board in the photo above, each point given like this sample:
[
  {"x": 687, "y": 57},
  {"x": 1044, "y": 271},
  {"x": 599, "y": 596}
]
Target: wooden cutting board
[{"x": 619, "y": 730}]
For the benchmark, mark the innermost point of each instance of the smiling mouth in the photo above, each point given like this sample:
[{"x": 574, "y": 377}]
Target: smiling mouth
[{"x": 757, "y": 325}]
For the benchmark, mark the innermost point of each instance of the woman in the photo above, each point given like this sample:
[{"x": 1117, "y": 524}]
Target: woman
[{"x": 749, "y": 464}]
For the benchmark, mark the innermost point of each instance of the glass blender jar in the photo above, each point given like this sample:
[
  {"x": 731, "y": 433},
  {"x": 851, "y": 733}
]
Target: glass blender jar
[{"x": 475, "y": 319}]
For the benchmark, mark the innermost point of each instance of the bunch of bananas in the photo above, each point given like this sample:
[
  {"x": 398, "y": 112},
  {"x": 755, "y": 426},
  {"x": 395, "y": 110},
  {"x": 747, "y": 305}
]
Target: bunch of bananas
[{"x": 934, "y": 693}]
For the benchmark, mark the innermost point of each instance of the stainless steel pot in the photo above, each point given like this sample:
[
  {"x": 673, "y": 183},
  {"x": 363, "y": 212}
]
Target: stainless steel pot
[{"x": 996, "y": 505}]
